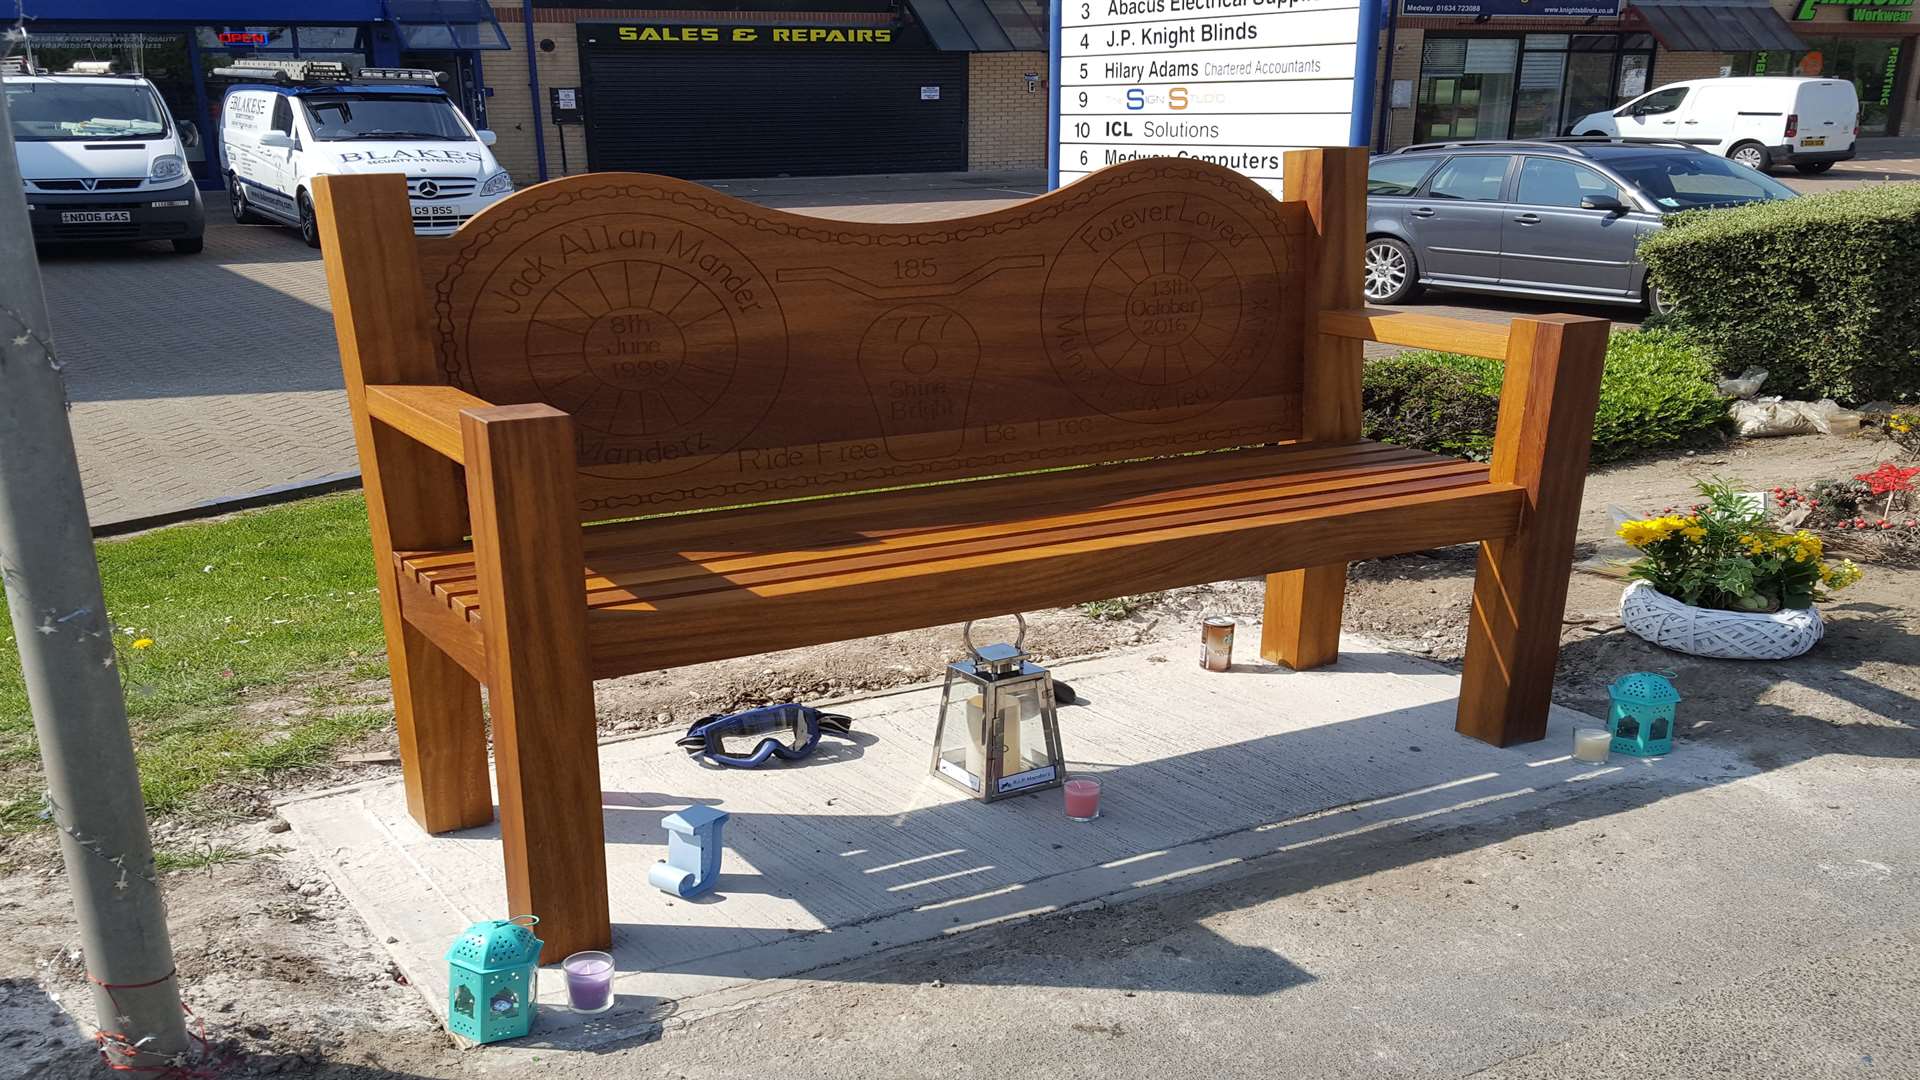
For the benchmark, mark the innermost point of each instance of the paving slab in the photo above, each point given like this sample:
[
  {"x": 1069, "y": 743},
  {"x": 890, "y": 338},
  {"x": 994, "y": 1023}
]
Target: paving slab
[{"x": 858, "y": 850}]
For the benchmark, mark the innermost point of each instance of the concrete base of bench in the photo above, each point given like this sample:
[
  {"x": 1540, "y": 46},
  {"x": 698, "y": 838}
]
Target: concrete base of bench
[{"x": 1201, "y": 772}]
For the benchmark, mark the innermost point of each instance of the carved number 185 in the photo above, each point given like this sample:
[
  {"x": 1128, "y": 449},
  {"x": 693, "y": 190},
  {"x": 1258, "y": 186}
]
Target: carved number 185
[{"x": 914, "y": 268}]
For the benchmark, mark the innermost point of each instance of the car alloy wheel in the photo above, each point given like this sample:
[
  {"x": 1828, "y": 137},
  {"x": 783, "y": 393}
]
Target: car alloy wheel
[
  {"x": 1752, "y": 156},
  {"x": 309, "y": 225},
  {"x": 1387, "y": 271}
]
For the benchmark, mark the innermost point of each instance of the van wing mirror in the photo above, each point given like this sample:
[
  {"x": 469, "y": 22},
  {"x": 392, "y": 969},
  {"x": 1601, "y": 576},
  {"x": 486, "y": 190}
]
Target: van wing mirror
[
  {"x": 487, "y": 138},
  {"x": 1603, "y": 202},
  {"x": 278, "y": 139}
]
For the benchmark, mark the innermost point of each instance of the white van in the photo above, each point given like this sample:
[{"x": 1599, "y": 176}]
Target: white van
[
  {"x": 1758, "y": 121},
  {"x": 275, "y": 139},
  {"x": 103, "y": 161}
]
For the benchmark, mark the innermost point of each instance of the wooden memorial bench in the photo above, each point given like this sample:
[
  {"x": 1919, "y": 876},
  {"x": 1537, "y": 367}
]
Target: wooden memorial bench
[{"x": 1151, "y": 378}]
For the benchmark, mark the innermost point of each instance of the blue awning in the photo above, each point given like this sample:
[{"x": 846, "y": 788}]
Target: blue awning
[{"x": 424, "y": 25}]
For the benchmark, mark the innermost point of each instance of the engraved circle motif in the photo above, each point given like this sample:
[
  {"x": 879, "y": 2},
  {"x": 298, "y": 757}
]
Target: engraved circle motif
[
  {"x": 1158, "y": 312},
  {"x": 637, "y": 326}
]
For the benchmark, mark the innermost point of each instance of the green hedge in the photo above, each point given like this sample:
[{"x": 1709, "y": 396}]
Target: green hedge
[
  {"x": 1657, "y": 392},
  {"x": 1822, "y": 291}
]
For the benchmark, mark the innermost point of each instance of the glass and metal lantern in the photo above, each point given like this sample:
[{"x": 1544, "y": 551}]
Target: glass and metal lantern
[
  {"x": 998, "y": 733},
  {"x": 490, "y": 973},
  {"x": 1641, "y": 720}
]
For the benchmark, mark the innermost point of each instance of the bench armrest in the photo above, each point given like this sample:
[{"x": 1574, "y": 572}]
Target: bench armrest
[
  {"x": 429, "y": 415},
  {"x": 1470, "y": 336}
]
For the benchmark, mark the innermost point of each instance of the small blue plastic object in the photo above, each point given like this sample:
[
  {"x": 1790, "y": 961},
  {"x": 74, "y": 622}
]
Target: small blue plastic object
[
  {"x": 1642, "y": 719},
  {"x": 693, "y": 852}
]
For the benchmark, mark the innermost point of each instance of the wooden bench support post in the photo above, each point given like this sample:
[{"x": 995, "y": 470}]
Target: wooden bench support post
[
  {"x": 527, "y": 547},
  {"x": 1301, "y": 625},
  {"x": 414, "y": 496},
  {"x": 1547, "y": 401}
]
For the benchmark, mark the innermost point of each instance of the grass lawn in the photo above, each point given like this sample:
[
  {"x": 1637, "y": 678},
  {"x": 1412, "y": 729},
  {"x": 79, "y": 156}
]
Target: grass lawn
[{"x": 277, "y": 603}]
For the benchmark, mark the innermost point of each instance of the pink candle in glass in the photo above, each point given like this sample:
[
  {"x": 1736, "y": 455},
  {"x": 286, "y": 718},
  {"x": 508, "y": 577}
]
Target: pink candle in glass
[
  {"x": 1083, "y": 799},
  {"x": 589, "y": 981}
]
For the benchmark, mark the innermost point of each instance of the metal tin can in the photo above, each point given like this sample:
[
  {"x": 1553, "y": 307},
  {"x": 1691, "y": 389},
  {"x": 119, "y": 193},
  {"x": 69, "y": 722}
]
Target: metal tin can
[{"x": 1216, "y": 643}]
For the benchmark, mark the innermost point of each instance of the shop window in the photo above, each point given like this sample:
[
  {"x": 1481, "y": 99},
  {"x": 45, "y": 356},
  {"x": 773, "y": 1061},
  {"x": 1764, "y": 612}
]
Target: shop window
[
  {"x": 336, "y": 38},
  {"x": 1466, "y": 88},
  {"x": 1397, "y": 176},
  {"x": 240, "y": 41},
  {"x": 1552, "y": 182},
  {"x": 1473, "y": 178}
]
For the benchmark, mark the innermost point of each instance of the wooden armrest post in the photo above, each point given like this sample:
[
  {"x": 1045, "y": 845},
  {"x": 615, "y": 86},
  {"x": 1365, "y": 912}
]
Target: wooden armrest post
[
  {"x": 1301, "y": 625},
  {"x": 533, "y": 611},
  {"x": 1545, "y": 433},
  {"x": 415, "y": 497}
]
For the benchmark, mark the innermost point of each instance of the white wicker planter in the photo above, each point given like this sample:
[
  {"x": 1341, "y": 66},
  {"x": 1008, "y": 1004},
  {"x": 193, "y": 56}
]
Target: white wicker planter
[{"x": 1730, "y": 635}]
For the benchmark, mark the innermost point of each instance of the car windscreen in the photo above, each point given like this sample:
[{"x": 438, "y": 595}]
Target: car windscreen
[
  {"x": 1689, "y": 181},
  {"x": 396, "y": 118},
  {"x": 56, "y": 111}
]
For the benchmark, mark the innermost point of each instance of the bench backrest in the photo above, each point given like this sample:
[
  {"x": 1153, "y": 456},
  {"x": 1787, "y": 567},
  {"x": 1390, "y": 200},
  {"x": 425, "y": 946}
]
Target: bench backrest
[{"x": 712, "y": 352}]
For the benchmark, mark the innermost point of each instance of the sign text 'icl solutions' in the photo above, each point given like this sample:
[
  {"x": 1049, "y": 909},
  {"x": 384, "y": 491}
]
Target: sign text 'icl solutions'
[{"x": 1234, "y": 82}]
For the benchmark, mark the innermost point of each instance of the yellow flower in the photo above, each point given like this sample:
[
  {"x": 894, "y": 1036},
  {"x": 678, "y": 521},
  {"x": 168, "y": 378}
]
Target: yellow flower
[
  {"x": 1840, "y": 575},
  {"x": 143, "y": 643},
  {"x": 1901, "y": 428},
  {"x": 1694, "y": 533}
]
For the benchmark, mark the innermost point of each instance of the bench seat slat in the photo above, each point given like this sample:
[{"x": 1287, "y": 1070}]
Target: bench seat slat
[
  {"x": 641, "y": 551},
  {"x": 1123, "y": 528}
]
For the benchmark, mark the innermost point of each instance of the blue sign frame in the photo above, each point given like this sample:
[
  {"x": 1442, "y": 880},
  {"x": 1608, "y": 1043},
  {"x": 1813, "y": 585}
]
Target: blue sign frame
[{"x": 1365, "y": 78}]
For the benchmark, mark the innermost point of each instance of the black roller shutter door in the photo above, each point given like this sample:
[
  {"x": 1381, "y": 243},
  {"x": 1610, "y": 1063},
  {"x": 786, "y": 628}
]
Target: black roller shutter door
[{"x": 720, "y": 109}]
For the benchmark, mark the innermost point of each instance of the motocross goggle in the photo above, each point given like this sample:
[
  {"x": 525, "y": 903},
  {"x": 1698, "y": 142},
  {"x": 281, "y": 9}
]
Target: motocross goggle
[{"x": 745, "y": 740}]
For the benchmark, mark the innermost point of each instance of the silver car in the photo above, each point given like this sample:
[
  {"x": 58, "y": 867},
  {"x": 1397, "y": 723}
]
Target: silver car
[{"x": 1556, "y": 218}]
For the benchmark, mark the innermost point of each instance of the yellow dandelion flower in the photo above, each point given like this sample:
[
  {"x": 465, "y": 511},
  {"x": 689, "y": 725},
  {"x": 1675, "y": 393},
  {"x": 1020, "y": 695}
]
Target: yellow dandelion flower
[
  {"x": 143, "y": 643},
  {"x": 1841, "y": 574}
]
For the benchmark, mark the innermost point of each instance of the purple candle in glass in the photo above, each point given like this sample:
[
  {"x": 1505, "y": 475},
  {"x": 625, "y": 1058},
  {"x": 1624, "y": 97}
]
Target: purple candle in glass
[{"x": 589, "y": 981}]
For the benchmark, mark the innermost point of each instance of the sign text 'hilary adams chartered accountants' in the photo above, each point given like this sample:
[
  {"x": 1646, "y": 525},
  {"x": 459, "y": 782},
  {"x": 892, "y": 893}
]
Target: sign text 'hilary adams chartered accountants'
[{"x": 1234, "y": 82}]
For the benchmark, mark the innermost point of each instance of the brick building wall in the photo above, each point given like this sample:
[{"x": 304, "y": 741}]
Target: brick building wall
[
  {"x": 512, "y": 115},
  {"x": 1673, "y": 67},
  {"x": 1006, "y": 122}
]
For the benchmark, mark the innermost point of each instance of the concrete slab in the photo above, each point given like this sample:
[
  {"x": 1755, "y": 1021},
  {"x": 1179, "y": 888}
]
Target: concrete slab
[{"x": 858, "y": 850}]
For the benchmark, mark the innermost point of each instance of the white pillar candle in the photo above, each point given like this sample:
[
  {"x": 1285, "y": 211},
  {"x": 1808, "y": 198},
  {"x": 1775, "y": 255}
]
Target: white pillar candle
[
  {"x": 1590, "y": 744},
  {"x": 977, "y": 737}
]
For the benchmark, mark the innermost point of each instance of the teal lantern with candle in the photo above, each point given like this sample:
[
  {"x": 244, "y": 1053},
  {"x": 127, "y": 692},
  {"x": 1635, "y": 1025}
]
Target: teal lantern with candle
[
  {"x": 490, "y": 979},
  {"x": 1641, "y": 721}
]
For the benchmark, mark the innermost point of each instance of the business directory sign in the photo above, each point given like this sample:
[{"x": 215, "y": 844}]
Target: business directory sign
[{"x": 1234, "y": 82}]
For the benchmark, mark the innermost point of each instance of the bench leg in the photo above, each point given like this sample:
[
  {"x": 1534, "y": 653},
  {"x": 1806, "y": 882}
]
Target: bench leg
[
  {"x": 526, "y": 539},
  {"x": 1301, "y": 627},
  {"x": 1547, "y": 401},
  {"x": 443, "y": 736}
]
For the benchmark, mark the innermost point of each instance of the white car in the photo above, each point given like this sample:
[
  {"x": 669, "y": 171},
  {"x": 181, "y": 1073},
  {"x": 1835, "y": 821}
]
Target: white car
[
  {"x": 1757, "y": 121},
  {"x": 275, "y": 139},
  {"x": 103, "y": 161}
]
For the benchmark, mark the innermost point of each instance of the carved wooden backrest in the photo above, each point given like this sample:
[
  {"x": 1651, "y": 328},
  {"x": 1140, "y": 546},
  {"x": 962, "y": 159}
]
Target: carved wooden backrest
[{"x": 713, "y": 352}]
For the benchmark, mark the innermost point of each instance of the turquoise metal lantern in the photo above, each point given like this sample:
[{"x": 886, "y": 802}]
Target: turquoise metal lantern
[
  {"x": 1641, "y": 721},
  {"x": 490, "y": 973}
]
